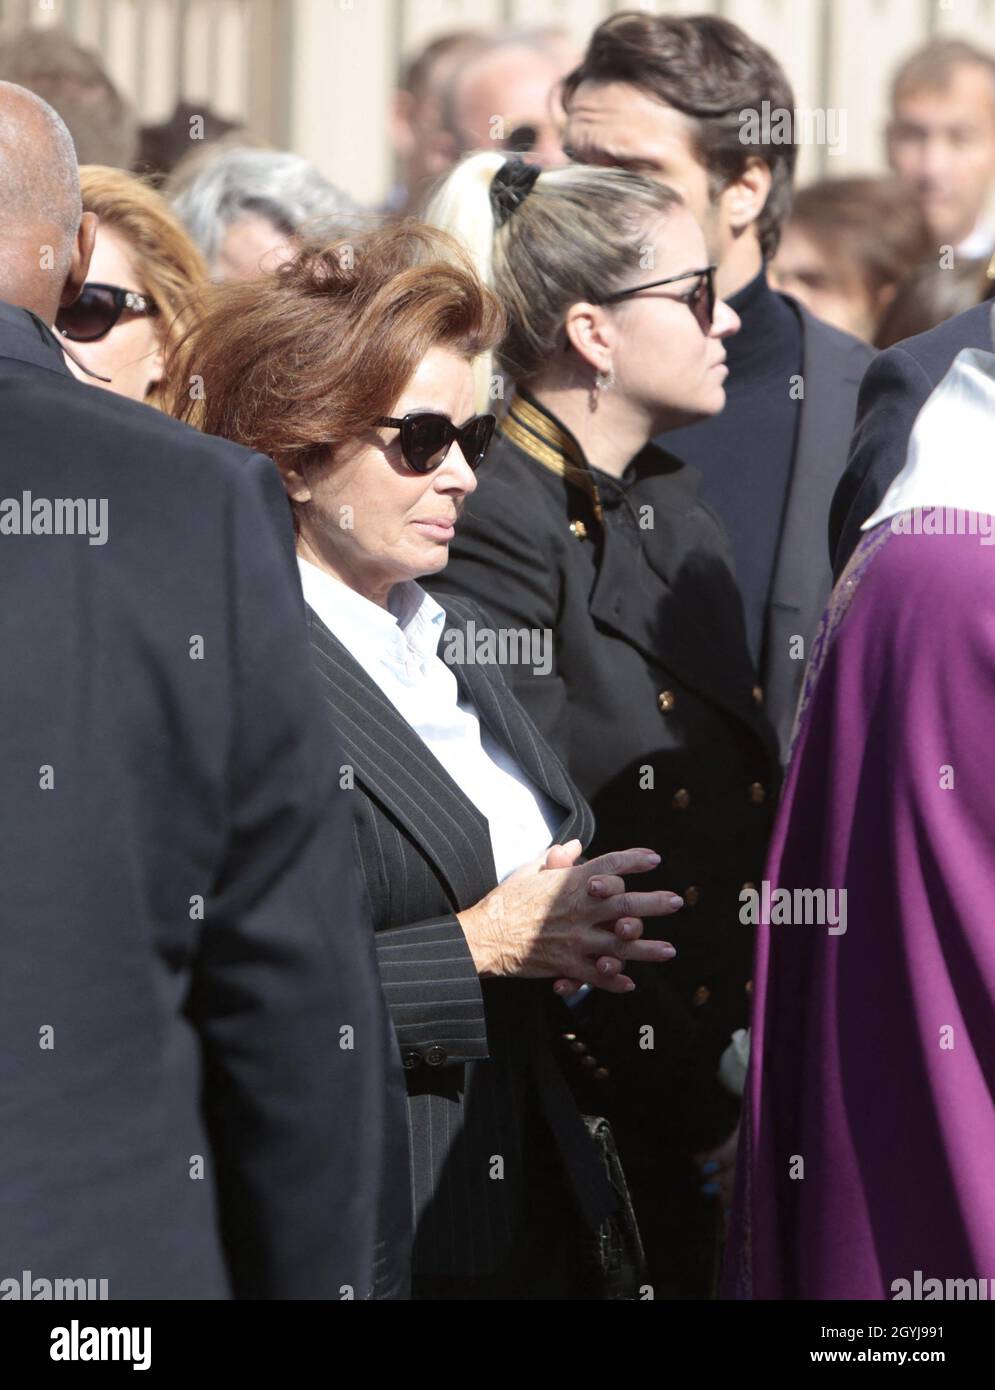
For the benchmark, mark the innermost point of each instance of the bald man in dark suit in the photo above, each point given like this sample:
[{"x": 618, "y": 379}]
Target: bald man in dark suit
[{"x": 195, "y": 1080}]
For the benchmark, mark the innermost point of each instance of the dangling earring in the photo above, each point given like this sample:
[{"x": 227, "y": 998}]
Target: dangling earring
[{"x": 603, "y": 381}]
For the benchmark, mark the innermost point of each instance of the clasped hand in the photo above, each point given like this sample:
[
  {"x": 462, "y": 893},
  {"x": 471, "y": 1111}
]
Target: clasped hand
[{"x": 573, "y": 923}]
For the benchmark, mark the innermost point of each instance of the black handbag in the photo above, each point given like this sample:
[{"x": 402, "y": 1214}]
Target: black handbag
[{"x": 615, "y": 1251}]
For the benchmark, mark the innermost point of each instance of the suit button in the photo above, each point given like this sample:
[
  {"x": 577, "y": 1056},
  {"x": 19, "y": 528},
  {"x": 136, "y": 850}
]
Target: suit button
[
  {"x": 578, "y": 1047},
  {"x": 410, "y": 1058},
  {"x": 749, "y": 986},
  {"x": 681, "y": 799},
  {"x": 758, "y": 694},
  {"x": 690, "y": 896},
  {"x": 589, "y": 1062},
  {"x": 758, "y": 793},
  {"x": 435, "y": 1056},
  {"x": 579, "y": 530},
  {"x": 601, "y": 1074},
  {"x": 701, "y": 996},
  {"x": 666, "y": 700},
  {"x": 569, "y": 1037}
]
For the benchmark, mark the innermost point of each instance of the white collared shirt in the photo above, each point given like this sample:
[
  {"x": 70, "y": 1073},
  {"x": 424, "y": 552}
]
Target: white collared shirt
[
  {"x": 398, "y": 649},
  {"x": 978, "y": 244}
]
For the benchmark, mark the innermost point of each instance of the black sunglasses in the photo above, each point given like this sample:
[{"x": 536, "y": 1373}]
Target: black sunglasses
[
  {"x": 700, "y": 299},
  {"x": 98, "y": 309},
  {"x": 426, "y": 437}
]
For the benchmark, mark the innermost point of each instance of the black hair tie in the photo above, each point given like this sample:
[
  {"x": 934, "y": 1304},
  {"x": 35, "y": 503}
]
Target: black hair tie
[{"x": 510, "y": 186}]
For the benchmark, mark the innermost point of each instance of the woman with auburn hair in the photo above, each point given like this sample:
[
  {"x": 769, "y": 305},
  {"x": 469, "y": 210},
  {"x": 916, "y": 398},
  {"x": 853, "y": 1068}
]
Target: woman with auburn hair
[
  {"x": 351, "y": 367},
  {"x": 141, "y": 287}
]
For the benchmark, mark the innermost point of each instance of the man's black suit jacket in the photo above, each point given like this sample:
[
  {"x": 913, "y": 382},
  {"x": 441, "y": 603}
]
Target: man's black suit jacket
[
  {"x": 895, "y": 388},
  {"x": 478, "y": 1055},
  {"x": 182, "y": 959},
  {"x": 833, "y": 364}
]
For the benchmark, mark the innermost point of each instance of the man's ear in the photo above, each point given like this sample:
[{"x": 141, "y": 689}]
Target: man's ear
[
  {"x": 401, "y": 129},
  {"x": 745, "y": 199},
  {"x": 591, "y": 333},
  {"x": 79, "y": 266},
  {"x": 890, "y": 133}
]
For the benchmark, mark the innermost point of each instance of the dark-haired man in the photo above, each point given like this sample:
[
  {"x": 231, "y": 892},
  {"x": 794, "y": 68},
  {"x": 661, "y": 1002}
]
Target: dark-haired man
[
  {"x": 670, "y": 97},
  {"x": 667, "y": 97}
]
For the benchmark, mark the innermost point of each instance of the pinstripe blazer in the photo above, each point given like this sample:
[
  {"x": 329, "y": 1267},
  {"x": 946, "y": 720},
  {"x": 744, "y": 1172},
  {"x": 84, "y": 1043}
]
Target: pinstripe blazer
[{"x": 478, "y": 1055}]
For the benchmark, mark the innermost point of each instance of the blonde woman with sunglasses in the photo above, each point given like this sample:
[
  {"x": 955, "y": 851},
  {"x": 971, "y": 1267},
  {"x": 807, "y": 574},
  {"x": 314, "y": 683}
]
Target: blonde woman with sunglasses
[{"x": 581, "y": 529}]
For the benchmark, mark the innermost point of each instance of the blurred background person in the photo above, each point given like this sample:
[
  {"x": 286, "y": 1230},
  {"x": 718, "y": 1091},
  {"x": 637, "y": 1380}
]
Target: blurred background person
[
  {"x": 941, "y": 141},
  {"x": 665, "y": 95},
  {"x": 423, "y": 146},
  {"x": 73, "y": 81},
  {"x": 138, "y": 299},
  {"x": 583, "y": 529},
  {"x": 506, "y": 97},
  {"x": 248, "y": 210},
  {"x": 355, "y": 371},
  {"x": 163, "y": 145},
  {"x": 931, "y": 295},
  {"x": 847, "y": 247}
]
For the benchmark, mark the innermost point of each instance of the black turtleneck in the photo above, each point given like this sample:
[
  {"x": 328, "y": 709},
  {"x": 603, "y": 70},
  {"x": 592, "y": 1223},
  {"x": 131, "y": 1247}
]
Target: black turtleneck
[{"x": 745, "y": 455}]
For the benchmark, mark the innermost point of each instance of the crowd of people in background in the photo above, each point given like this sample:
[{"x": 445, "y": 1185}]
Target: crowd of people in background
[{"x": 591, "y": 373}]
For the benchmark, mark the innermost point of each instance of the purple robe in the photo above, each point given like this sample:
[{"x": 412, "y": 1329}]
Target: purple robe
[{"x": 873, "y": 1053}]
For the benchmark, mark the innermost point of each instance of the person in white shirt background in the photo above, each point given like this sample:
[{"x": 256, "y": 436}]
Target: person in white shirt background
[{"x": 941, "y": 142}]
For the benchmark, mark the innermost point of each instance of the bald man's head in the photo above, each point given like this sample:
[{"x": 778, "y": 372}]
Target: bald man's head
[{"x": 45, "y": 239}]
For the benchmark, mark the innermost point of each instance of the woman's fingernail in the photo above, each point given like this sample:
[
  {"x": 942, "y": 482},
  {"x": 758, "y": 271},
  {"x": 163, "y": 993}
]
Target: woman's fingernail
[
  {"x": 710, "y": 1189},
  {"x": 709, "y": 1168},
  {"x": 560, "y": 989},
  {"x": 630, "y": 986},
  {"x": 595, "y": 885},
  {"x": 605, "y": 967},
  {"x": 650, "y": 856},
  {"x": 668, "y": 953},
  {"x": 674, "y": 902}
]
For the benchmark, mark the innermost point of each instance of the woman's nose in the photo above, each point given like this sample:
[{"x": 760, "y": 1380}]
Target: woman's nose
[
  {"x": 725, "y": 321},
  {"x": 454, "y": 473}
]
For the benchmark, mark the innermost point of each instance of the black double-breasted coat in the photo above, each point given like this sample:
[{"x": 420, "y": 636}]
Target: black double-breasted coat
[{"x": 651, "y": 699}]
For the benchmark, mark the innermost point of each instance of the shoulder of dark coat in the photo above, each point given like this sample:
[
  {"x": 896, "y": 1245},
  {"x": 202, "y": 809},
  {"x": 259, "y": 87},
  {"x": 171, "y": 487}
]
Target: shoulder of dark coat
[
  {"x": 44, "y": 405},
  {"x": 936, "y": 349}
]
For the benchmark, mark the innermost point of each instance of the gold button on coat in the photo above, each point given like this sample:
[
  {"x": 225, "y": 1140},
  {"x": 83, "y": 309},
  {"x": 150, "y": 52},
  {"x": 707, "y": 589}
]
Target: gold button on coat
[
  {"x": 690, "y": 896},
  {"x": 578, "y": 529},
  {"x": 758, "y": 793},
  {"x": 682, "y": 799},
  {"x": 758, "y": 694},
  {"x": 666, "y": 700},
  {"x": 701, "y": 996}
]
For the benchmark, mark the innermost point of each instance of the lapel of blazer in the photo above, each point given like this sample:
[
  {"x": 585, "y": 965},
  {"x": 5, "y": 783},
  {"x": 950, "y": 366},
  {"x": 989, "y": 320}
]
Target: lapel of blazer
[
  {"x": 832, "y": 372},
  {"x": 507, "y": 721},
  {"x": 398, "y": 771}
]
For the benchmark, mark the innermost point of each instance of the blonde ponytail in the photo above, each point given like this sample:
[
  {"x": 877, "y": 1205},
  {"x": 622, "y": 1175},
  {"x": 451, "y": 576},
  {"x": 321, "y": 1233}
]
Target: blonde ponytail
[{"x": 576, "y": 236}]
